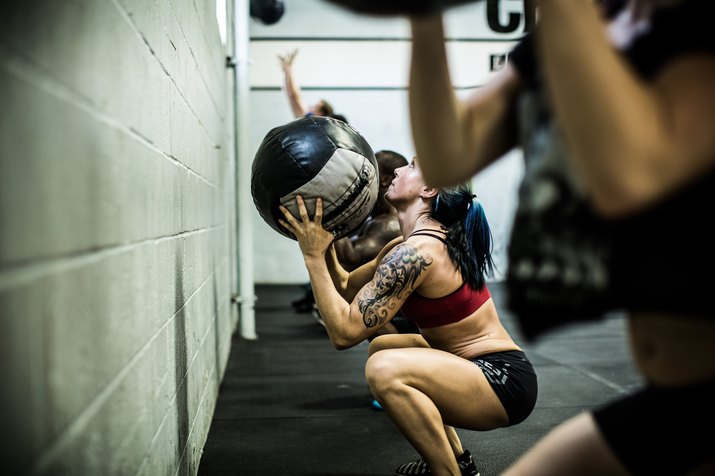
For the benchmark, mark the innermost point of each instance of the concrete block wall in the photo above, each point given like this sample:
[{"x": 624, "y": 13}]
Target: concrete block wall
[
  {"x": 117, "y": 231},
  {"x": 360, "y": 64}
]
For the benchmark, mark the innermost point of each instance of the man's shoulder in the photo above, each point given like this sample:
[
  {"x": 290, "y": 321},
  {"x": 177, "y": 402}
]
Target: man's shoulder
[{"x": 385, "y": 224}]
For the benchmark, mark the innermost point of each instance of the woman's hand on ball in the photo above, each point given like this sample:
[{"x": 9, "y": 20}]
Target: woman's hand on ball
[{"x": 313, "y": 239}]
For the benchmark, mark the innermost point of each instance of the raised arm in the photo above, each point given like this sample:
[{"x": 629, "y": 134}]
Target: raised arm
[
  {"x": 396, "y": 275},
  {"x": 454, "y": 139},
  {"x": 292, "y": 90},
  {"x": 348, "y": 283},
  {"x": 633, "y": 140},
  {"x": 363, "y": 274}
]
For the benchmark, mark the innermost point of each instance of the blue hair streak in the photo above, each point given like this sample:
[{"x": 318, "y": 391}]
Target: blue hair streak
[{"x": 469, "y": 238}]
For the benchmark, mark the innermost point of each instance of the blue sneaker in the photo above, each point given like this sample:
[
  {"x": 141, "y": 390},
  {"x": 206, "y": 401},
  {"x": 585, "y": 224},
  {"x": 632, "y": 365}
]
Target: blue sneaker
[{"x": 375, "y": 405}]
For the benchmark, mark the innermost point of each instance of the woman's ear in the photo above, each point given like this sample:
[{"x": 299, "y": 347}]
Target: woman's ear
[{"x": 429, "y": 192}]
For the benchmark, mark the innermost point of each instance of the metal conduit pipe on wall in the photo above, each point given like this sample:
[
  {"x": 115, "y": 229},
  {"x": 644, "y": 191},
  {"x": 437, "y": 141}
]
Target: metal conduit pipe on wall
[{"x": 247, "y": 297}]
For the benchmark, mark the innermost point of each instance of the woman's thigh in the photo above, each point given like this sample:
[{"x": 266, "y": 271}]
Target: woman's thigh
[
  {"x": 396, "y": 341},
  {"x": 456, "y": 386}
]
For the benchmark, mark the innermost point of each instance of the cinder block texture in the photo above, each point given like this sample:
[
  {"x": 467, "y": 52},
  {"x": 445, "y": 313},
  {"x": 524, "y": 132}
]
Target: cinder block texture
[{"x": 117, "y": 218}]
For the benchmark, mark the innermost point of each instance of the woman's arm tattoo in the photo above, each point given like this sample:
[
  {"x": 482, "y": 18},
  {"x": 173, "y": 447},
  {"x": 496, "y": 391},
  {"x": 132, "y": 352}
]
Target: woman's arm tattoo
[{"x": 396, "y": 272}]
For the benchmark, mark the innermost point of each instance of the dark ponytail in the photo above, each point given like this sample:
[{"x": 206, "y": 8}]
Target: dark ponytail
[{"x": 469, "y": 238}]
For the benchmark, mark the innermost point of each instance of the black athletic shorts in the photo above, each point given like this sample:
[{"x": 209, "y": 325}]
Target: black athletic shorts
[
  {"x": 661, "y": 430},
  {"x": 513, "y": 379}
]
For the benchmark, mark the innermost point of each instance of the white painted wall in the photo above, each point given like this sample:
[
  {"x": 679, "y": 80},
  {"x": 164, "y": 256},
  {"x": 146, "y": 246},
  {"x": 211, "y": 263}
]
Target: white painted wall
[
  {"x": 360, "y": 64},
  {"x": 117, "y": 223}
]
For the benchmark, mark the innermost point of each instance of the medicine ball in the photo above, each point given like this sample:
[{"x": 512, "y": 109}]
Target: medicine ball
[
  {"x": 268, "y": 11},
  {"x": 315, "y": 156}
]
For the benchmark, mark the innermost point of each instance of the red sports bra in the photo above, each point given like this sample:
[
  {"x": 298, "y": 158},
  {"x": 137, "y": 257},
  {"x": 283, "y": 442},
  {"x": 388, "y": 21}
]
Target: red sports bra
[{"x": 435, "y": 312}]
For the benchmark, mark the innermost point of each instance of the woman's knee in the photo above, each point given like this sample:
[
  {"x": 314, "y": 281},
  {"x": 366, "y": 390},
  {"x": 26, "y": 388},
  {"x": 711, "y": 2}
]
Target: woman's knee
[{"x": 383, "y": 370}]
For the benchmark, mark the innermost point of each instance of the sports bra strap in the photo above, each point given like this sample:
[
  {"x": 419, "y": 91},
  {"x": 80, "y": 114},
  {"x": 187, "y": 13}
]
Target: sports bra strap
[{"x": 427, "y": 233}]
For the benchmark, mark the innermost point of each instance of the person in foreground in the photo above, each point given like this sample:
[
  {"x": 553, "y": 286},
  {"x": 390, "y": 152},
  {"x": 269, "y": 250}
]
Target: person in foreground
[
  {"x": 630, "y": 108},
  {"x": 463, "y": 369}
]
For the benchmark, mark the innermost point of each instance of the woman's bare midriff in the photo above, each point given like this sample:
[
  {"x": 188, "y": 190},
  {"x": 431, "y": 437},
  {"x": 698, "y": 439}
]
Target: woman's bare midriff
[
  {"x": 673, "y": 350},
  {"x": 477, "y": 334}
]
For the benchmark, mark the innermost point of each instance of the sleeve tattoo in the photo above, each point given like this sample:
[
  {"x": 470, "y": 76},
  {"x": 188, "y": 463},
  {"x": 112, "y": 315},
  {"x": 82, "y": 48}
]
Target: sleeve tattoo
[{"x": 397, "y": 272}]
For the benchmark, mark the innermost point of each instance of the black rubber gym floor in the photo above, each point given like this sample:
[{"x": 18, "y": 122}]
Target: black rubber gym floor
[{"x": 290, "y": 404}]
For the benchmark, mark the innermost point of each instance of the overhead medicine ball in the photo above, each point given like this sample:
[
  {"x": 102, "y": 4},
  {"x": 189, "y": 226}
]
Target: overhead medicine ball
[
  {"x": 313, "y": 157},
  {"x": 268, "y": 11},
  {"x": 398, "y": 7}
]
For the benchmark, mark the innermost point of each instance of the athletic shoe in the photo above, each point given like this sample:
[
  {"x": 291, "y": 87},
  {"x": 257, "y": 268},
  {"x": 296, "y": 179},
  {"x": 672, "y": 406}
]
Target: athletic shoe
[
  {"x": 375, "y": 405},
  {"x": 467, "y": 465},
  {"x": 465, "y": 462}
]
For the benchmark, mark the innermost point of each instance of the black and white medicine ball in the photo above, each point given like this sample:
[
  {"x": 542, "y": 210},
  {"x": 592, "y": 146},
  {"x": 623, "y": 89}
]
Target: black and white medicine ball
[{"x": 315, "y": 156}]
